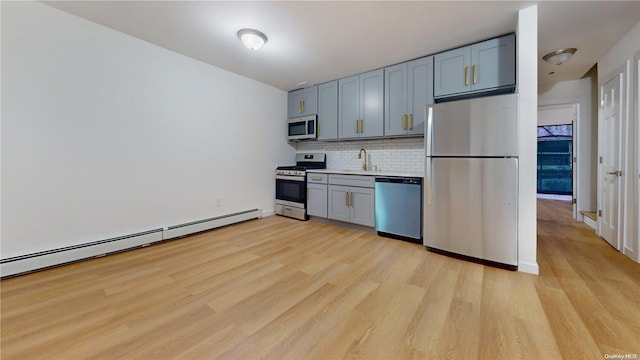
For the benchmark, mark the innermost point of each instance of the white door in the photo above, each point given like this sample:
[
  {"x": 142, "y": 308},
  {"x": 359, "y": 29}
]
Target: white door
[{"x": 610, "y": 173}]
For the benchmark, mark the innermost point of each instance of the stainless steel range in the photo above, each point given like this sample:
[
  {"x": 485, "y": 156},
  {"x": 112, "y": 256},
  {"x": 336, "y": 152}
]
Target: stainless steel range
[{"x": 291, "y": 185}]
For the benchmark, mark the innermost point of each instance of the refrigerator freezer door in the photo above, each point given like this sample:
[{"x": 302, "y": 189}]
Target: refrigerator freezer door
[
  {"x": 470, "y": 207},
  {"x": 476, "y": 127}
]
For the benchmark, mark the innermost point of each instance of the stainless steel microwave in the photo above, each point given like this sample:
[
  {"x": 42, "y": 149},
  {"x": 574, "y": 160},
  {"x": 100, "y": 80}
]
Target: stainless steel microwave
[{"x": 304, "y": 127}]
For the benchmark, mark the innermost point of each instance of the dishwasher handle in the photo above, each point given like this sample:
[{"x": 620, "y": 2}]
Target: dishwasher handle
[{"x": 399, "y": 180}]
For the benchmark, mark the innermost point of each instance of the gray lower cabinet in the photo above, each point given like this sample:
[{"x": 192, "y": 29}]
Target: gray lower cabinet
[
  {"x": 317, "y": 194},
  {"x": 487, "y": 65},
  {"x": 408, "y": 88},
  {"x": 339, "y": 208},
  {"x": 328, "y": 111},
  {"x": 352, "y": 199},
  {"x": 360, "y": 105},
  {"x": 303, "y": 102}
]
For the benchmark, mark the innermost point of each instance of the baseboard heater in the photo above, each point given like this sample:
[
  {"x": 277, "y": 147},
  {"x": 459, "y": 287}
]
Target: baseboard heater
[{"x": 19, "y": 265}]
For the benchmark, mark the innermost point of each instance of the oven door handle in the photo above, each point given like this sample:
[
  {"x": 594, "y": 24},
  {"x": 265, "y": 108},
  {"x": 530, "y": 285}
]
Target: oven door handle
[{"x": 286, "y": 177}]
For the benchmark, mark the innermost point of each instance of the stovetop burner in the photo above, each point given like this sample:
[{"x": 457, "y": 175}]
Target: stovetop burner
[{"x": 307, "y": 162}]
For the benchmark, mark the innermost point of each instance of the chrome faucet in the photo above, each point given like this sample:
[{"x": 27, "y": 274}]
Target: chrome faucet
[{"x": 364, "y": 164}]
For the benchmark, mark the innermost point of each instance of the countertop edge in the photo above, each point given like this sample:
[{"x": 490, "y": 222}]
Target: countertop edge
[{"x": 368, "y": 173}]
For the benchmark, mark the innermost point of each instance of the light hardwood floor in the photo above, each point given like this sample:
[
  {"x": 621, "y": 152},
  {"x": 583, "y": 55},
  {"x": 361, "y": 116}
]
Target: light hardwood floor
[{"x": 278, "y": 288}]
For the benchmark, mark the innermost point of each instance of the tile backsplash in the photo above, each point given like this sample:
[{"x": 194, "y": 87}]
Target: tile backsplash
[{"x": 397, "y": 154}]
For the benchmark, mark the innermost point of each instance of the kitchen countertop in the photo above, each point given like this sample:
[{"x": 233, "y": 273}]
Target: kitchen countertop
[{"x": 369, "y": 172}]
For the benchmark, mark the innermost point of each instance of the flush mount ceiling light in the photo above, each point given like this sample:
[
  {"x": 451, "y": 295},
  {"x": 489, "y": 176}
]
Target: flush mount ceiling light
[
  {"x": 559, "y": 56},
  {"x": 252, "y": 39}
]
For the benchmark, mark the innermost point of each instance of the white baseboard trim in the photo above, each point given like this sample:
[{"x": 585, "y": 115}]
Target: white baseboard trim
[
  {"x": 46, "y": 259},
  {"x": 269, "y": 212},
  {"x": 590, "y": 222},
  {"x": 42, "y": 260},
  {"x": 529, "y": 268},
  {"x": 631, "y": 254},
  {"x": 208, "y": 224}
]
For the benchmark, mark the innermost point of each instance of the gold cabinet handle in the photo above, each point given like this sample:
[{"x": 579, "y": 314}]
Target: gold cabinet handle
[
  {"x": 316, "y": 179},
  {"x": 357, "y": 126},
  {"x": 404, "y": 121},
  {"x": 474, "y": 74},
  {"x": 351, "y": 199},
  {"x": 346, "y": 198},
  {"x": 361, "y": 126},
  {"x": 466, "y": 76},
  {"x": 303, "y": 106},
  {"x": 300, "y": 106},
  {"x": 410, "y": 125}
]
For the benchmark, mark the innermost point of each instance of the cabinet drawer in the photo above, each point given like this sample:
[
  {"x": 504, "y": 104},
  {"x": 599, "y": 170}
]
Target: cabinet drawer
[
  {"x": 317, "y": 178},
  {"x": 352, "y": 180}
]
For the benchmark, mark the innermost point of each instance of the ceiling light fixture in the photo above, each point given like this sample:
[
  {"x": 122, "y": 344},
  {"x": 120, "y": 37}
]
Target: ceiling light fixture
[
  {"x": 559, "y": 57},
  {"x": 252, "y": 39}
]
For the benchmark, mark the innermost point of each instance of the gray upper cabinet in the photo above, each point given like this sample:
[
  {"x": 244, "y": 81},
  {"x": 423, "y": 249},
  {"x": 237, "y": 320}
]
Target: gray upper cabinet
[
  {"x": 303, "y": 102},
  {"x": 328, "y": 111},
  {"x": 495, "y": 63},
  {"x": 395, "y": 99},
  {"x": 360, "y": 105},
  {"x": 488, "y": 65},
  {"x": 408, "y": 88},
  {"x": 349, "y": 107}
]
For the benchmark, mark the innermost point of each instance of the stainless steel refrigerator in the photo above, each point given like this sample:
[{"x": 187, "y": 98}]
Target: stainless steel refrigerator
[{"x": 471, "y": 179}]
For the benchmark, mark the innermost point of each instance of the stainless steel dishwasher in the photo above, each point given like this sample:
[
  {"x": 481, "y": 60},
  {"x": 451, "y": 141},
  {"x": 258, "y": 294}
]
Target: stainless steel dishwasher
[{"x": 398, "y": 207}]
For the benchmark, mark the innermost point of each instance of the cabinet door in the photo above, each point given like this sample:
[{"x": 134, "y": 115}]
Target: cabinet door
[
  {"x": 452, "y": 72},
  {"x": 372, "y": 103},
  {"x": 317, "y": 199},
  {"x": 328, "y": 111},
  {"x": 348, "y": 107},
  {"x": 339, "y": 203},
  {"x": 294, "y": 101},
  {"x": 395, "y": 100},
  {"x": 310, "y": 101},
  {"x": 420, "y": 92},
  {"x": 493, "y": 63},
  {"x": 302, "y": 102},
  {"x": 362, "y": 209}
]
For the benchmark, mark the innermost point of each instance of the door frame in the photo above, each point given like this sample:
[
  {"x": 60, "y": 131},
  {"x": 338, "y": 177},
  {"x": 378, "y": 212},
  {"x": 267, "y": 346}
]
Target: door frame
[
  {"x": 574, "y": 135},
  {"x": 634, "y": 251},
  {"x": 582, "y": 118},
  {"x": 623, "y": 206}
]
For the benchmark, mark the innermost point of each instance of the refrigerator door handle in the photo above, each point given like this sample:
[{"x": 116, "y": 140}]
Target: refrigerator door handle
[
  {"x": 429, "y": 123},
  {"x": 429, "y": 179}
]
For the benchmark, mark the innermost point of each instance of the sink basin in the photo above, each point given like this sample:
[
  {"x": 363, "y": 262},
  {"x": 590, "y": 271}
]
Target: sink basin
[{"x": 358, "y": 171}]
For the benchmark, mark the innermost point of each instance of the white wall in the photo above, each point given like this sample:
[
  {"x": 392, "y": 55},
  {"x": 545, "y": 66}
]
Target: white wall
[
  {"x": 621, "y": 54},
  {"x": 555, "y": 115},
  {"x": 578, "y": 92},
  {"x": 105, "y": 135},
  {"x": 527, "y": 75}
]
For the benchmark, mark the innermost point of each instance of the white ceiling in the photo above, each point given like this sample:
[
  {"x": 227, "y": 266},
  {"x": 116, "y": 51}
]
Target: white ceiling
[{"x": 318, "y": 41}]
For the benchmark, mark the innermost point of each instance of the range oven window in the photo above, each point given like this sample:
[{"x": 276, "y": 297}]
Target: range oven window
[{"x": 291, "y": 190}]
